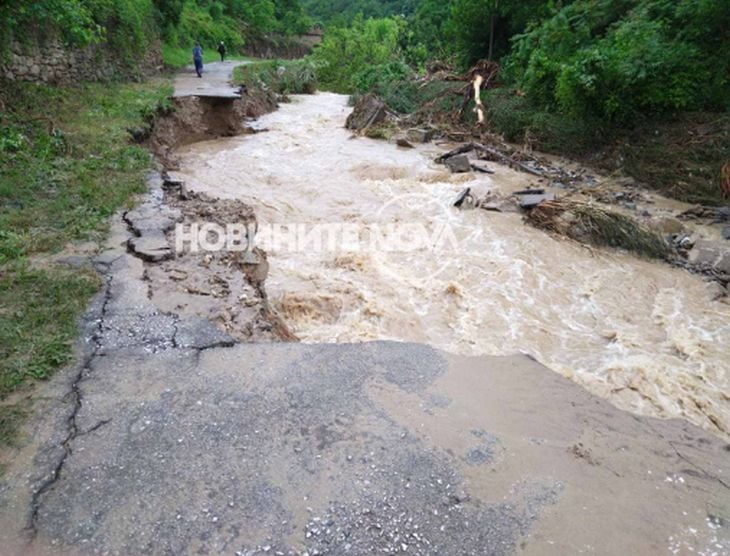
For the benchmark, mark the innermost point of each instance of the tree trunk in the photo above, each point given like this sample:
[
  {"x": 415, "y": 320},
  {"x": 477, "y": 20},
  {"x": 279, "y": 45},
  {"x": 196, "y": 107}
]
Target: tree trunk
[{"x": 492, "y": 28}]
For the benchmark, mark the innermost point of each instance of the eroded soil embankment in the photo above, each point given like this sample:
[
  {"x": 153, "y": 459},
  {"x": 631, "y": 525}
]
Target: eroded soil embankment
[
  {"x": 194, "y": 119},
  {"x": 225, "y": 287}
]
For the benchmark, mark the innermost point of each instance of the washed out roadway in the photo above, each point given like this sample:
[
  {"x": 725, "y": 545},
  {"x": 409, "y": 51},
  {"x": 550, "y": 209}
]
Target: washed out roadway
[{"x": 168, "y": 438}]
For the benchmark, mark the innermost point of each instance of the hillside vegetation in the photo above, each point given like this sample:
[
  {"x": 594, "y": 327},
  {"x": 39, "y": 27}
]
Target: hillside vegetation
[
  {"x": 583, "y": 77},
  {"x": 132, "y": 27}
]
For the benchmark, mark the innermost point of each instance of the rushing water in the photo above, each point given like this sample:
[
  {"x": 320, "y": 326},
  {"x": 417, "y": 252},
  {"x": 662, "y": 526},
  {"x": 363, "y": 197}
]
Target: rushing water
[{"x": 642, "y": 334}]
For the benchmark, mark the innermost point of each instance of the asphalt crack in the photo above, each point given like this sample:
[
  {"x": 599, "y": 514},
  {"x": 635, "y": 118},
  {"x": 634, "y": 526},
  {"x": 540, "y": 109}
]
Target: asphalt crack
[
  {"x": 699, "y": 468},
  {"x": 72, "y": 427}
]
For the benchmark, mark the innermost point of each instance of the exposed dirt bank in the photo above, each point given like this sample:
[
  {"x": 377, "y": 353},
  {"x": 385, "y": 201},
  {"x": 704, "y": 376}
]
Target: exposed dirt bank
[
  {"x": 194, "y": 119},
  {"x": 224, "y": 287}
]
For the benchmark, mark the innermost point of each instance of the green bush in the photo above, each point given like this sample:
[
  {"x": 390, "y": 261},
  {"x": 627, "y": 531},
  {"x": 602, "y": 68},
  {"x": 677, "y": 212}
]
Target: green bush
[
  {"x": 199, "y": 25},
  {"x": 347, "y": 51},
  {"x": 283, "y": 77},
  {"x": 613, "y": 59}
]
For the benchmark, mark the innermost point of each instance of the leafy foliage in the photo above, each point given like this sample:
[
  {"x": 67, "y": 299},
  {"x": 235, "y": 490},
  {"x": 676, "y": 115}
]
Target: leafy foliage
[
  {"x": 347, "y": 53},
  {"x": 132, "y": 27},
  {"x": 342, "y": 12},
  {"x": 283, "y": 77},
  {"x": 615, "y": 59}
]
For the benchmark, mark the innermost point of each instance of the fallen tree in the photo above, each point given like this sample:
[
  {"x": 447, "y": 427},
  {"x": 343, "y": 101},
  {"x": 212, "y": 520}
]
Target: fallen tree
[{"x": 595, "y": 225}]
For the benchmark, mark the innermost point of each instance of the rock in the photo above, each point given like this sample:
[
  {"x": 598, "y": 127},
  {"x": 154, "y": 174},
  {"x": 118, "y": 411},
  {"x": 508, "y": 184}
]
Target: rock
[
  {"x": 403, "y": 142},
  {"x": 200, "y": 333},
  {"x": 666, "y": 225},
  {"x": 152, "y": 247},
  {"x": 184, "y": 192},
  {"x": 172, "y": 182},
  {"x": 722, "y": 214},
  {"x": 685, "y": 242},
  {"x": 74, "y": 261},
  {"x": 722, "y": 265},
  {"x": 420, "y": 135},
  {"x": 726, "y": 232},
  {"x": 149, "y": 219},
  {"x": 711, "y": 254},
  {"x": 458, "y": 164},
  {"x": 368, "y": 111}
]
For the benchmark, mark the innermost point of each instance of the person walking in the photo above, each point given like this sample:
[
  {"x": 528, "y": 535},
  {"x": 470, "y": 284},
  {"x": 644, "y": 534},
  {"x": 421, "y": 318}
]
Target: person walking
[
  {"x": 198, "y": 59},
  {"x": 222, "y": 51}
]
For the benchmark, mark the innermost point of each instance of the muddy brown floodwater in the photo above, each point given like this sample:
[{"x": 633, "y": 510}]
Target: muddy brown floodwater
[{"x": 646, "y": 336}]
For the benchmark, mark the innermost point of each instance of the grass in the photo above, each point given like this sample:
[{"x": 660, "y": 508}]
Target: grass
[
  {"x": 10, "y": 417},
  {"x": 66, "y": 165},
  {"x": 680, "y": 156},
  {"x": 39, "y": 309},
  {"x": 177, "y": 57},
  {"x": 297, "y": 76}
]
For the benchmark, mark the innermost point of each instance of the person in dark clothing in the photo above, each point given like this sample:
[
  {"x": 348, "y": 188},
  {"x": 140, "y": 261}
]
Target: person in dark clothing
[
  {"x": 198, "y": 59},
  {"x": 222, "y": 51}
]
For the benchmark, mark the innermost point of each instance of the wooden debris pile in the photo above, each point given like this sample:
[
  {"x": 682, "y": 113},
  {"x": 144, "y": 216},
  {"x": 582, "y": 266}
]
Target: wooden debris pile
[{"x": 523, "y": 162}]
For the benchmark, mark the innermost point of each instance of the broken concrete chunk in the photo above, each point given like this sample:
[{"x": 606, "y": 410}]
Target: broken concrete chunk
[
  {"x": 198, "y": 333},
  {"x": 150, "y": 218},
  {"x": 403, "y": 142},
  {"x": 152, "y": 247},
  {"x": 368, "y": 111},
  {"x": 458, "y": 164},
  {"x": 532, "y": 200},
  {"x": 420, "y": 135}
]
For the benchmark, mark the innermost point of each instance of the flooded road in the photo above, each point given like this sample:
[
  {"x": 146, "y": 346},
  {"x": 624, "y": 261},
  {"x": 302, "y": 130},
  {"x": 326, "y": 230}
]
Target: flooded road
[{"x": 646, "y": 336}]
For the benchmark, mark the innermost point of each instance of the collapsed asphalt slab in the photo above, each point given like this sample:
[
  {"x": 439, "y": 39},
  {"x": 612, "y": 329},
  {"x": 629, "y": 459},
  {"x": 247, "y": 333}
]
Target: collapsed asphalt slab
[{"x": 363, "y": 449}]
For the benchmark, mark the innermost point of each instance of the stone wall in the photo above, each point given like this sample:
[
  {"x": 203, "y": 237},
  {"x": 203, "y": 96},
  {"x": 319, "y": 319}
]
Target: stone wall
[{"x": 51, "y": 62}]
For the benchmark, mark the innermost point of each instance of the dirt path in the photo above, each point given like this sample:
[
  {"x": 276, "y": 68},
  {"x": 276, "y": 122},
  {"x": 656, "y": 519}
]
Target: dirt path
[
  {"x": 216, "y": 81},
  {"x": 169, "y": 437}
]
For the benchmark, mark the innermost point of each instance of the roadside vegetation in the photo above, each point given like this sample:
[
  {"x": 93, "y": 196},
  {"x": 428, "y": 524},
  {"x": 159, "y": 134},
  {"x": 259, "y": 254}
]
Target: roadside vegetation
[
  {"x": 635, "y": 85},
  {"x": 66, "y": 165},
  {"x": 284, "y": 77}
]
